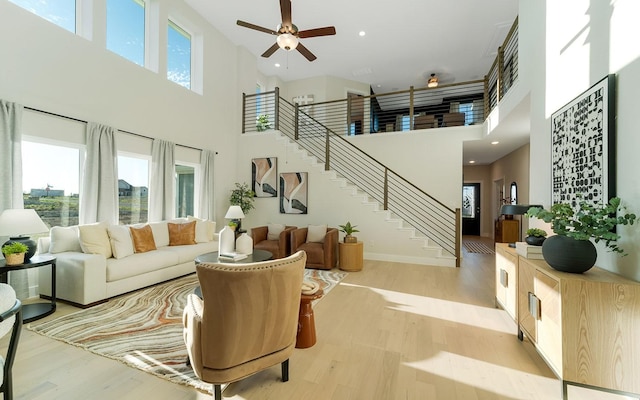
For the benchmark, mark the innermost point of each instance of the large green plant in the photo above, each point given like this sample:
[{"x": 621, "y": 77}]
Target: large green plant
[
  {"x": 242, "y": 196},
  {"x": 589, "y": 222}
]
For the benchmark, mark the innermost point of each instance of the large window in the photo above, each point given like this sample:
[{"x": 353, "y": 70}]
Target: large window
[
  {"x": 178, "y": 55},
  {"x": 51, "y": 181},
  {"x": 133, "y": 188},
  {"x": 185, "y": 190},
  {"x": 125, "y": 29},
  {"x": 60, "y": 12}
]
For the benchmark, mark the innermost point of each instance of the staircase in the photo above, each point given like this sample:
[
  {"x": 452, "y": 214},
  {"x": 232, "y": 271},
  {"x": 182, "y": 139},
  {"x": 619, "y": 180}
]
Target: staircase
[{"x": 408, "y": 244}]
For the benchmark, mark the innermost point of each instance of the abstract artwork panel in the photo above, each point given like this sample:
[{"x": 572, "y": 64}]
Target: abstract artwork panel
[
  {"x": 582, "y": 146},
  {"x": 293, "y": 193},
  {"x": 264, "y": 176}
]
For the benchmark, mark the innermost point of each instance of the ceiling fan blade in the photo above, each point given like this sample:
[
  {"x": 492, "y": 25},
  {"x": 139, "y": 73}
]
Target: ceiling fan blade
[
  {"x": 271, "y": 50},
  {"x": 305, "y": 52},
  {"x": 326, "y": 31},
  {"x": 285, "y": 10},
  {"x": 256, "y": 27}
]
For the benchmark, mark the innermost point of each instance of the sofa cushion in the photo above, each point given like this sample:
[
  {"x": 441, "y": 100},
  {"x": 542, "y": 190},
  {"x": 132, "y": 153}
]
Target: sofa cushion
[
  {"x": 64, "y": 238},
  {"x": 316, "y": 233},
  {"x": 205, "y": 229},
  {"x": 121, "y": 242},
  {"x": 139, "y": 264},
  {"x": 189, "y": 253},
  {"x": 160, "y": 233},
  {"x": 94, "y": 239},
  {"x": 143, "y": 240},
  {"x": 182, "y": 234},
  {"x": 274, "y": 231}
]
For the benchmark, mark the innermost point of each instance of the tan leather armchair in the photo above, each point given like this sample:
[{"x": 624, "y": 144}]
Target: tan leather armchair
[
  {"x": 453, "y": 119},
  {"x": 425, "y": 122},
  {"x": 246, "y": 321},
  {"x": 319, "y": 255},
  {"x": 280, "y": 248}
]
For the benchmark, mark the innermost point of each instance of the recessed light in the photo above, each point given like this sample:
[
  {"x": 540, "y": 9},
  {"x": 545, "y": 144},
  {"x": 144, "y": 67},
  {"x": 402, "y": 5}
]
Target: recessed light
[
  {"x": 277, "y": 65},
  {"x": 496, "y": 142},
  {"x": 472, "y": 162},
  {"x": 362, "y": 33}
]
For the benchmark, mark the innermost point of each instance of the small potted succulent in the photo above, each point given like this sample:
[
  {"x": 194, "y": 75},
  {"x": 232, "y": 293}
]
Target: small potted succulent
[
  {"x": 14, "y": 252},
  {"x": 348, "y": 230},
  {"x": 535, "y": 236}
]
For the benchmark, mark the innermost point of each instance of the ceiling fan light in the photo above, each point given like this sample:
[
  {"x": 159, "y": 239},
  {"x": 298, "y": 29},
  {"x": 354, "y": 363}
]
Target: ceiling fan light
[
  {"x": 287, "y": 41},
  {"x": 433, "y": 81}
]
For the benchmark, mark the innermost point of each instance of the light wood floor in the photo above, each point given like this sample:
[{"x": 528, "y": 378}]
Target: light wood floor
[{"x": 391, "y": 331}]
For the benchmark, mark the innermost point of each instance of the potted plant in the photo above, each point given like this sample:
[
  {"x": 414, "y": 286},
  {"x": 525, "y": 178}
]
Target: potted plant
[
  {"x": 242, "y": 196},
  {"x": 571, "y": 250},
  {"x": 262, "y": 123},
  {"x": 535, "y": 236},
  {"x": 233, "y": 225},
  {"x": 348, "y": 230},
  {"x": 14, "y": 252}
]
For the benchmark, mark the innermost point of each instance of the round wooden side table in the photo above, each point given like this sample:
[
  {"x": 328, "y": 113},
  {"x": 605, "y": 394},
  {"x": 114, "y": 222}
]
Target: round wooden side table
[
  {"x": 351, "y": 256},
  {"x": 306, "y": 322}
]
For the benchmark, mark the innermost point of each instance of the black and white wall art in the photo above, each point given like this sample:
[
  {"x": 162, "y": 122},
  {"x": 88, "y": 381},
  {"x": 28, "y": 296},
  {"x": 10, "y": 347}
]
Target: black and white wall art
[{"x": 583, "y": 146}]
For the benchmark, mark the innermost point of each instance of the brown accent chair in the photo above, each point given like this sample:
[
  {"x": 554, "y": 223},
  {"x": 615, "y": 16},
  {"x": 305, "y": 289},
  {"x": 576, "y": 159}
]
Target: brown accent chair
[
  {"x": 453, "y": 119},
  {"x": 280, "y": 248},
  {"x": 246, "y": 321},
  {"x": 319, "y": 255},
  {"x": 424, "y": 122}
]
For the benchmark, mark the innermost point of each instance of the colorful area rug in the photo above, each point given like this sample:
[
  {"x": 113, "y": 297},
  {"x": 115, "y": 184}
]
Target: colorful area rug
[
  {"x": 143, "y": 329},
  {"x": 478, "y": 247}
]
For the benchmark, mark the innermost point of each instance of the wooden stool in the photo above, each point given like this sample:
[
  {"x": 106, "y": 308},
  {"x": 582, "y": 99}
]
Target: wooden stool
[{"x": 306, "y": 323}]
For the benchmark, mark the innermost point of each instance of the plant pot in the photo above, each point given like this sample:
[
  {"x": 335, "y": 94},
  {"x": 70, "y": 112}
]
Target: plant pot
[
  {"x": 567, "y": 254},
  {"x": 350, "y": 239},
  {"x": 14, "y": 259},
  {"x": 535, "y": 240}
]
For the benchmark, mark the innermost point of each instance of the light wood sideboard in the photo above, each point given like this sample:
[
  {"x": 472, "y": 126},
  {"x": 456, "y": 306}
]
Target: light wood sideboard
[
  {"x": 585, "y": 326},
  {"x": 507, "y": 279}
]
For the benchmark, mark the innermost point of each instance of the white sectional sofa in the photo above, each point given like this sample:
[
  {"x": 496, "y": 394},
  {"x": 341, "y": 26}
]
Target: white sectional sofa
[{"x": 90, "y": 271}]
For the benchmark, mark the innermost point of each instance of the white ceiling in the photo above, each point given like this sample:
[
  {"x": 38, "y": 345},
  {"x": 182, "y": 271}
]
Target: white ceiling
[{"x": 405, "y": 41}]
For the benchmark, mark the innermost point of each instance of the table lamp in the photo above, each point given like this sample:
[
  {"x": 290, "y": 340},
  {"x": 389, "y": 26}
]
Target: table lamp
[
  {"x": 516, "y": 209},
  {"x": 16, "y": 223},
  {"x": 235, "y": 214}
]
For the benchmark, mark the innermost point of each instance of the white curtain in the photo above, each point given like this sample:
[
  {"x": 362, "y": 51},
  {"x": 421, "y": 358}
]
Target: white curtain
[
  {"x": 207, "y": 206},
  {"x": 10, "y": 155},
  {"x": 162, "y": 188},
  {"x": 99, "y": 198}
]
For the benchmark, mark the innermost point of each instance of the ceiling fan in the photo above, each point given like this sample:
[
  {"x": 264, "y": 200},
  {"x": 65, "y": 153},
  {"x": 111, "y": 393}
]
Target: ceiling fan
[{"x": 288, "y": 34}]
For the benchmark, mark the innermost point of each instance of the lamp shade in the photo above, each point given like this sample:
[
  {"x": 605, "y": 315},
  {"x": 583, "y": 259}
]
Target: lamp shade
[
  {"x": 16, "y": 222},
  {"x": 287, "y": 41},
  {"x": 234, "y": 212},
  {"x": 516, "y": 209}
]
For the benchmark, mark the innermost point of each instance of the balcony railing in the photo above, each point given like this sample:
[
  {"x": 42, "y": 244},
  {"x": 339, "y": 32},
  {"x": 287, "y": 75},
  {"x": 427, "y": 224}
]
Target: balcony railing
[{"x": 320, "y": 129}]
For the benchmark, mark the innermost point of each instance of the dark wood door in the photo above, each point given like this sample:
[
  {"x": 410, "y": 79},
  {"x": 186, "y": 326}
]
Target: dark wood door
[{"x": 471, "y": 209}]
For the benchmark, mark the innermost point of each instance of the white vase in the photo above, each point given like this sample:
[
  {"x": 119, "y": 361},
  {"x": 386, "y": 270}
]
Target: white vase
[
  {"x": 244, "y": 244},
  {"x": 226, "y": 241}
]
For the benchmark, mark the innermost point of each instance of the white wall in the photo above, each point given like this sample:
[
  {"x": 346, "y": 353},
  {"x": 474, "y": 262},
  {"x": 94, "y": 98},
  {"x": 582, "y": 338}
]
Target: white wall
[
  {"x": 49, "y": 68},
  {"x": 569, "y": 47}
]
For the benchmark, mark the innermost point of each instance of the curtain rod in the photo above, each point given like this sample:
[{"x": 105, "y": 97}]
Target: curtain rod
[{"x": 120, "y": 130}]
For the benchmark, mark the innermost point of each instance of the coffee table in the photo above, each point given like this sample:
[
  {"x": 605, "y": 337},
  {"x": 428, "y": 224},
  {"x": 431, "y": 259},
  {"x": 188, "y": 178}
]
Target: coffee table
[{"x": 256, "y": 256}]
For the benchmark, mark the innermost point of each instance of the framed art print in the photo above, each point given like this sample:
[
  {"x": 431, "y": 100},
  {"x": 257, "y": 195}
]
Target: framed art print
[
  {"x": 583, "y": 147},
  {"x": 264, "y": 176},
  {"x": 293, "y": 193}
]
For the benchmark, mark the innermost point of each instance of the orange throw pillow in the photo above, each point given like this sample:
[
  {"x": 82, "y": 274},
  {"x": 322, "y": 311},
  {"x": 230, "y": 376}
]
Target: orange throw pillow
[
  {"x": 181, "y": 234},
  {"x": 142, "y": 239}
]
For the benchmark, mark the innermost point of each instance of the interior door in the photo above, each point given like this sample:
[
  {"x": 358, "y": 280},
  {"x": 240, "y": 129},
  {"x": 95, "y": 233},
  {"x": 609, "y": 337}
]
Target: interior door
[{"x": 471, "y": 209}]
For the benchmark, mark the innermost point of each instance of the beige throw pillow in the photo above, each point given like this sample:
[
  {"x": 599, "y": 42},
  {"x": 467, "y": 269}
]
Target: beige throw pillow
[
  {"x": 121, "y": 242},
  {"x": 182, "y": 234},
  {"x": 274, "y": 231},
  {"x": 316, "y": 233},
  {"x": 142, "y": 239},
  {"x": 205, "y": 229},
  {"x": 64, "y": 238},
  {"x": 94, "y": 239}
]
